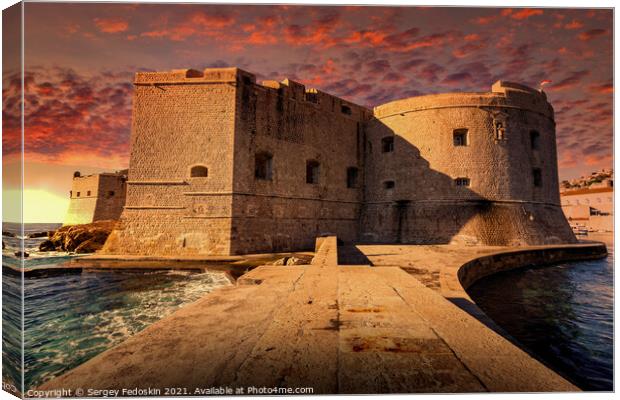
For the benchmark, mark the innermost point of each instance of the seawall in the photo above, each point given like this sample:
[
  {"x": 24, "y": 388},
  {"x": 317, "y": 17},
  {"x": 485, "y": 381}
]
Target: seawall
[{"x": 481, "y": 267}]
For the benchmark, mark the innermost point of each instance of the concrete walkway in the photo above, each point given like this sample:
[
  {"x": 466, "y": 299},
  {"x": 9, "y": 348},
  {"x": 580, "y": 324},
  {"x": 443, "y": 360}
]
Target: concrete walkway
[{"x": 337, "y": 329}]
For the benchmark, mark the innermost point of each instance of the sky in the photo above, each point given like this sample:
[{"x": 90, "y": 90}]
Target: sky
[{"x": 80, "y": 60}]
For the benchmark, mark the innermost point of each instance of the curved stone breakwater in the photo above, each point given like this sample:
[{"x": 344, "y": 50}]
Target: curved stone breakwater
[{"x": 337, "y": 329}]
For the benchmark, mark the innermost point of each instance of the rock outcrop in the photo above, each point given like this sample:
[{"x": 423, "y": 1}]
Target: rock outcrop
[{"x": 86, "y": 238}]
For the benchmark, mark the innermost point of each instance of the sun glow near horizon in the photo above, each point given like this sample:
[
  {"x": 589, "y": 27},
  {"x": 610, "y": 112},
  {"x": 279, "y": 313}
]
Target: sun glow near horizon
[{"x": 39, "y": 206}]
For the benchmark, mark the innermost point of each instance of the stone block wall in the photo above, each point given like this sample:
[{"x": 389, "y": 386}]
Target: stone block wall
[
  {"x": 501, "y": 204},
  {"x": 96, "y": 197},
  {"x": 221, "y": 121},
  {"x": 181, "y": 120},
  {"x": 294, "y": 126}
]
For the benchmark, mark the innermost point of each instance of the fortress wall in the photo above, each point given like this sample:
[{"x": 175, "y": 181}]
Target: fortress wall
[
  {"x": 181, "y": 119},
  {"x": 112, "y": 191},
  {"x": 286, "y": 213},
  {"x": 502, "y": 205},
  {"x": 221, "y": 119},
  {"x": 83, "y": 200}
]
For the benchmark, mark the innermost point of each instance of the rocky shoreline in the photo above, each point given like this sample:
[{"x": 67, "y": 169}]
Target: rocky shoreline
[{"x": 86, "y": 238}]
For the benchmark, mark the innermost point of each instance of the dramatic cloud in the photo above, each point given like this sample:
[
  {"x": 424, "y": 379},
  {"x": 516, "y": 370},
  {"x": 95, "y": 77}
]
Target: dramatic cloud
[
  {"x": 70, "y": 117},
  {"x": 111, "y": 25},
  {"x": 76, "y": 108},
  {"x": 196, "y": 24}
]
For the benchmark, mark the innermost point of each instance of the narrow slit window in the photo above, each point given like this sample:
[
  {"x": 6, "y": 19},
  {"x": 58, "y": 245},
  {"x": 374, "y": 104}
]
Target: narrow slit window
[
  {"x": 534, "y": 140},
  {"x": 352, "y": 174},
  {"x": 387, "y": 144},
  {"x": 312, "y": 171},
  {"x": 460, "y": 137},
  {"x": 263, "y": 166},
  {"x": 199, "y": 171},
  {"x": 537, "y": 176},
  {"x": 462, "y": 181}
]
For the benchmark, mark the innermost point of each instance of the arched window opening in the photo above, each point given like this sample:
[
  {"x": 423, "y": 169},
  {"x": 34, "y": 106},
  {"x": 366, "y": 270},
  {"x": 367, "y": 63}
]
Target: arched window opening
[{"x": 199, "y": 171}]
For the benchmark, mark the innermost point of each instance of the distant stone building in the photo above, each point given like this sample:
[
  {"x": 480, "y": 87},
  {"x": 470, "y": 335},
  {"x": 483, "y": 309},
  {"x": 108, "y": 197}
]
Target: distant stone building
[
  {"x": 222, "y": 165},
  {"x": 590, "y": 208},
  {"x": 96, "y": 197}
]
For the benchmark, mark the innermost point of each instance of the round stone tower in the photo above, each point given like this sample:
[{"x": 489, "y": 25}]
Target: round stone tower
[{"x": 474, "y": 168}]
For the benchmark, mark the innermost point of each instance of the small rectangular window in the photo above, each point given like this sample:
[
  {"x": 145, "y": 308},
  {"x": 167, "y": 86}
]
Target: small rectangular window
[
  {"x": 387, "y": 144},
  {"x": 111, "y": 193},
  {"x": 534, "y": 140},
  {"x": 263, "y": 166},
  {"x": 537, "y": 175},
  {"x": 77, "y": 194},
  {"x": 345, "y": 109},
  {"x": 88, "y": 193},
  {"x": 389, "y": 185},
  {"x": 462, "y": 181},
  {"x": 352, "y": 173},
  {"x": 312, "y": 171},
  {"x": 460, "y": 137}
]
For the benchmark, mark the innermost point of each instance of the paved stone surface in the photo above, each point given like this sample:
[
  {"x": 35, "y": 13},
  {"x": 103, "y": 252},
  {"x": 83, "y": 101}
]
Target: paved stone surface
[{"x": 338, "y": 329}]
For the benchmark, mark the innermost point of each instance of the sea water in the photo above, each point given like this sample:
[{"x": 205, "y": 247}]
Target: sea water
[
  {"x": 70, "y": 317},
  {"x": 561, "y": 314}
]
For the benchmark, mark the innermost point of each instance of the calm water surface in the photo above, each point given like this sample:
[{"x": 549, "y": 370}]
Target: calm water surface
[
  {"x": 71, "y": 317},
  {"x": 562, "y": 314}
]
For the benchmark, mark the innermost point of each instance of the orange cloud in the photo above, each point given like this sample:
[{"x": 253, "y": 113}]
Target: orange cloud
[
  {"x": 196, "y": 24},
  {"x": 604, "y": 88},
  {"x": 526, "y": 13},
  {"x": 111, "y": 25},
  {"x": 574, "y": 24}
]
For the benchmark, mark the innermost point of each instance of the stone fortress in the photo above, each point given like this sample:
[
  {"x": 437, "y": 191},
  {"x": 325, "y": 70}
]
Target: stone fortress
[
  {"x": 96, "y": 197},
  {"x": 221, "y": 165}
]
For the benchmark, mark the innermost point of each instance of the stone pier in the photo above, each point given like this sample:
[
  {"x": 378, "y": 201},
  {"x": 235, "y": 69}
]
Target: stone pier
[{"x": 333, "y": 328}]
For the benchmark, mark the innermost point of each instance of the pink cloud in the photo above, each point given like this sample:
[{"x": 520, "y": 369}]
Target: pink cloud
[{"x": 591, "y": 34}]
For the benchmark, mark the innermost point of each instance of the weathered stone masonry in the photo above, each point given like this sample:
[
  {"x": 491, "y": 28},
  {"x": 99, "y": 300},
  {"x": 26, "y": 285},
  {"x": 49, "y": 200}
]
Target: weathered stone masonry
[
  {"x": 96, "y": 197},
  {"x": 222, "y": 165}
]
